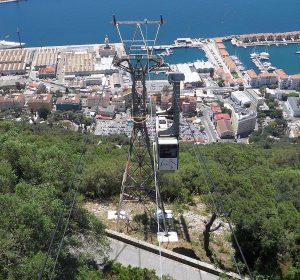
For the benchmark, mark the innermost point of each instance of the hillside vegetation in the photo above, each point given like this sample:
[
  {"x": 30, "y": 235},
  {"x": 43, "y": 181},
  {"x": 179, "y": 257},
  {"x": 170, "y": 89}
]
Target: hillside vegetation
[{"x": 259, "y": 185}]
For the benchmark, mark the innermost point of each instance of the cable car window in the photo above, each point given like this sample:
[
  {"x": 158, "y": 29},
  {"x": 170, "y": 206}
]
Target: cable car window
[
  {"x": 162, "y": 122},
  {"x": 168, "y": 151}
]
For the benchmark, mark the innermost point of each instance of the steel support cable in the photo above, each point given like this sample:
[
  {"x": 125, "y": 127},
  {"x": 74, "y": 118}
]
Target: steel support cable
[
  {"x": 211, "y": 198},
  {"x": 198, "y": 155},
  {"x": 41, "y": 272},
  {"x": 153, "y": 133},
  {"x": 208, "y": 178}
]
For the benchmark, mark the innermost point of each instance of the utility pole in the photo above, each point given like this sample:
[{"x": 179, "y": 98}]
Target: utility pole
[{"x": 19, "y": 37}]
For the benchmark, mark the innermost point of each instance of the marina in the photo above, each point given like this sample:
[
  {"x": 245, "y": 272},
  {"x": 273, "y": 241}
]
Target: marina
[{"x": 260, "y": 61}]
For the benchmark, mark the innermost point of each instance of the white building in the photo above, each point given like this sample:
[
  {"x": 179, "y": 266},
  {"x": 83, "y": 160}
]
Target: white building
[
  {"x": 255, "y": 96},
  {"x": 243, "y": 121},
  {"x": 192, "y": 79},
  {"x": 252, "y": 78},
  {"x": 267, "y": 79},
  {"x": 293, "y": 105},
  {"x": 240, "y": 98},
  {"x": 203, "y": 66},
  {"x": 294, "y": 82},
  {"x": 283, "y": 79}
]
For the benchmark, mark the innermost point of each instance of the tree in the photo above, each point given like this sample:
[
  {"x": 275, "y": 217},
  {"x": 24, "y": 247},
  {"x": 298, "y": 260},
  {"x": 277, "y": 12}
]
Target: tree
[
  {"x": 221, "y": 83},
  {"x": 19, "y": 86},
  {"x": 263, "y": 90},
  {"x": 241, "y": 87},
  {"x": 43, "y": 112},
  {"x": 41, "y": 89},
  {"x": 206, "y": 233}
]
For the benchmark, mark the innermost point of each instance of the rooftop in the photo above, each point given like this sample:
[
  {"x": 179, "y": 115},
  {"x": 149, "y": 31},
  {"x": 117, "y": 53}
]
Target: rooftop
[
  {"x": 222, "y": 117},
  {"x": 252, "y": 74},
  {"x": 224, "y": 126},
  {"x": 68, "y": 99},
  {"x": 295, "y": 77},
  {"x": 40, "y": 98},
  {"x": 267, "y": 75},
  {"x": 281, "y": 74},
  {"x": 294, "y": 103}
]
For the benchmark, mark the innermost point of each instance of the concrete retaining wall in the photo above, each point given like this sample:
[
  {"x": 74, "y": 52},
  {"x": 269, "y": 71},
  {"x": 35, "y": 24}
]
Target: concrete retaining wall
[{"x": 168, "y": 254}]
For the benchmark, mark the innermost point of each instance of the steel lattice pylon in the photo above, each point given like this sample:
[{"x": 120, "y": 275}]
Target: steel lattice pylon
[{"x": 138, "y": 178}]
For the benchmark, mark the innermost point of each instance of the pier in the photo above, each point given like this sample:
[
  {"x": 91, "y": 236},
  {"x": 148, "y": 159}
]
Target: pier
[{"x": 263, "y": 39}]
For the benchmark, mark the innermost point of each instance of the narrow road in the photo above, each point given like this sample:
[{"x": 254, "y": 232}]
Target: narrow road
[
  {"x": 131, "y": 255},
  {"x": 209, "y": 129}
]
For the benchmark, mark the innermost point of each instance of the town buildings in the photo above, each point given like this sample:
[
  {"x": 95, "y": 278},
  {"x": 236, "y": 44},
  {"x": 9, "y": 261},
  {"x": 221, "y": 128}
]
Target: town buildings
[
  {"x": 240, "y": 98},
  {"x": 39, "y": 101},
  {"x": 243, "y": 122},
  {"x": 12, "y": 101},
  {"x": 224, "y": 128},
  {"x": 68, "y": 102},
  {"x": 294, "y": 82}
]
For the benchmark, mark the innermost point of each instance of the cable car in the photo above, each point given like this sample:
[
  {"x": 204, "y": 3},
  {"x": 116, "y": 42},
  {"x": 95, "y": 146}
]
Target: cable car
[
  {"x": 167, "y": 146},
  {"x": 167, "y": 129},
  {"x": 168, "y": 150}
]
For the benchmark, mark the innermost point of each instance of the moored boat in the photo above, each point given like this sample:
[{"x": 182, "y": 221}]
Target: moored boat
[{"x": 10, "y": 45}]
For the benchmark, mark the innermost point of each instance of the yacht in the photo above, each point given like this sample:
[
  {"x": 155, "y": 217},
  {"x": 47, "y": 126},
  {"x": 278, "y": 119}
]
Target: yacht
[
  {"x": 267, "y": 64},
  {"x": 10, "y": 45},
  {"x": 271, "y": 68},
  {"x": 254, "y": 55},
  {"x": 264, "y": 56},
  {"x": 298, "y": 52}
]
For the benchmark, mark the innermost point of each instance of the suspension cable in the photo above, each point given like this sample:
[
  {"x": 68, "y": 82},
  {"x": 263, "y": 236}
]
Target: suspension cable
[
  {"x": 55, "y": 231},
  {"x": 153, "y": 134},
  {"x": 211, "y": 187}
]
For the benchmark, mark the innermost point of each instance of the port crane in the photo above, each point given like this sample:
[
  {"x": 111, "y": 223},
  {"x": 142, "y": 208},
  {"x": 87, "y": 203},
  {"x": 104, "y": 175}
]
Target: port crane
[{"x": 139, "y": 179}]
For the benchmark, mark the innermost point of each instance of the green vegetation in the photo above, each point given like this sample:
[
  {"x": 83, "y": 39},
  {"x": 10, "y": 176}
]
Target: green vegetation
[
  {"x": 221, "y": 83},
  {"x": 291, "y": 94},
  {"x": 36, "y": 168},
  {"x": 260, "y": 188},
  {"x": 277, "y": 127},
  {"x": 241, "y": 87}
]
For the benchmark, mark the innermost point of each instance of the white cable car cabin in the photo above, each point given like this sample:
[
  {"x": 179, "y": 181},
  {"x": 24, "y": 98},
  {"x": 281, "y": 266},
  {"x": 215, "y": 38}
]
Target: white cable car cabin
[
  {"x": 168, "y": 153},
  {"x": 167, "y": 147},
  {"x": 167, "y": 129}
]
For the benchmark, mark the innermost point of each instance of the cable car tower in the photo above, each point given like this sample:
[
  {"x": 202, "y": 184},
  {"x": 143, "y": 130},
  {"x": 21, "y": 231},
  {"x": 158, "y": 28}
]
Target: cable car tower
[{"x": 139, "y": 178}]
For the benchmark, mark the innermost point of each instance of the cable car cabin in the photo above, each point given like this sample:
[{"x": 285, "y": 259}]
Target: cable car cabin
[{"x": 167, "y": 153}]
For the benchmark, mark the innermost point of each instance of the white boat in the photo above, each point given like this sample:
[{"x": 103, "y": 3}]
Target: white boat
[
  {"x": 10, "y": 45},
  {"x": 271, "y": 68},
  {"x": 264, "y": 56},
  {"x": 254, "y": 55},
  {"x": 298, "y": 52},
  {"x": 183, "y": 41},
  {"x": 267, "y": 64}
]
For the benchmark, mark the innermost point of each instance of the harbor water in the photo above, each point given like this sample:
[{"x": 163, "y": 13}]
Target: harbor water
[
  {"x": 64, "y": 22},
  {"x": 281, "y": 56}
]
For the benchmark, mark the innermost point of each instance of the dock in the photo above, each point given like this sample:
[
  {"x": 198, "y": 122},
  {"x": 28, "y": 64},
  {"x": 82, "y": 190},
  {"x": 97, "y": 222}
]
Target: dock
[{"x": 266, "y": 39}]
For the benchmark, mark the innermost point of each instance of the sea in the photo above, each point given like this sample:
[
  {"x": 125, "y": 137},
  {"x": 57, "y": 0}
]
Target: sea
[{"x": 65, "y": 22}]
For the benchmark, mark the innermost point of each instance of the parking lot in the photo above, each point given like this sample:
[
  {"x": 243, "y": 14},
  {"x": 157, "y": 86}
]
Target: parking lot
[{"x": 120, "y": 126}]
